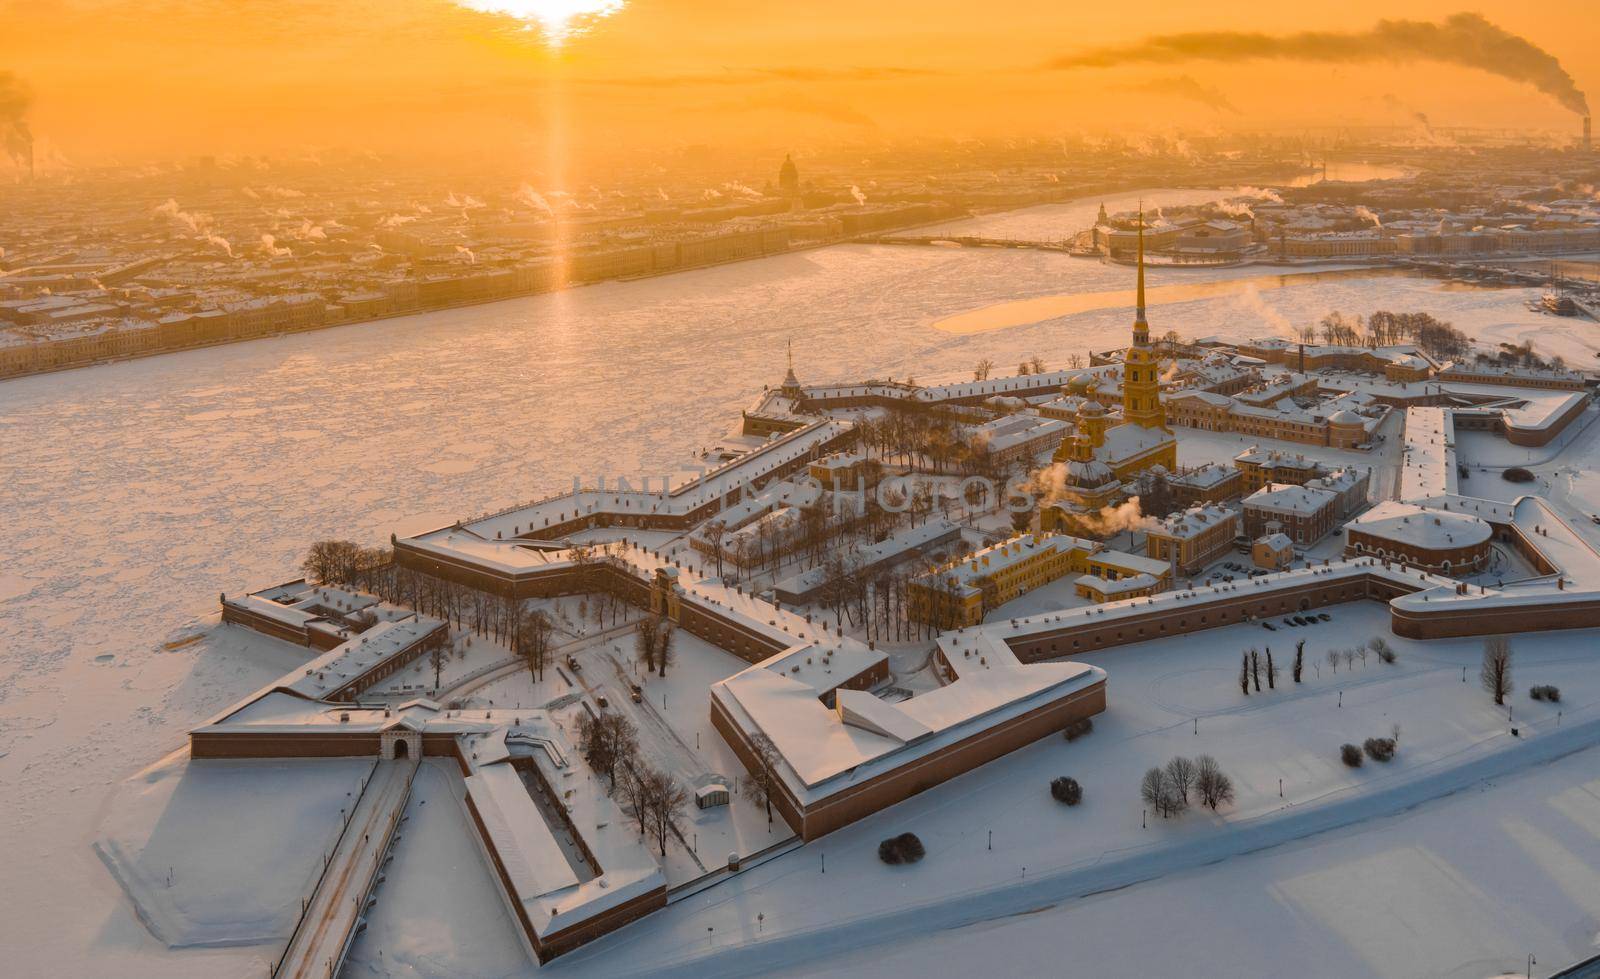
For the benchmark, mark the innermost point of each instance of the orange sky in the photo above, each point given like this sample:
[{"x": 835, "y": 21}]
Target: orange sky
[{"x": 171, "y": 78}]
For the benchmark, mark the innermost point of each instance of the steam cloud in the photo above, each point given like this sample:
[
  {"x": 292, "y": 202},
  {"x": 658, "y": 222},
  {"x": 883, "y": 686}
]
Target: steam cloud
[
  {"x": 270, "y": 248},
  {"x": 1185, "y": 87},
  {"x": 532, "y": 198},
  {"x": 1366, "y": 213},
  {"x": 15, "y": 135},
  {"x": 1464, "y": 39}
]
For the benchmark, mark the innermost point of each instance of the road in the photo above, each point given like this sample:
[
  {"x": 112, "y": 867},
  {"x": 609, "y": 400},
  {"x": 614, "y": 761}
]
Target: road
[{"x": 319, "y": 943}]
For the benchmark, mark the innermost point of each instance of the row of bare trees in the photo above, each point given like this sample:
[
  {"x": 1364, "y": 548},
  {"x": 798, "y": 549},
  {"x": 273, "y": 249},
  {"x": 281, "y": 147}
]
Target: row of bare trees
[
  {"x": 878, "y": 599},
  {"x": 1384, "y": 328},
  {"x": 609, "y": 743}
]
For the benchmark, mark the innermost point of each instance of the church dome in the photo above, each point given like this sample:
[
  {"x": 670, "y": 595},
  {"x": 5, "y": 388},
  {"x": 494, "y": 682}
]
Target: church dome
[
  {"x": 1092, "y": 408},
  {"x": 1344, "y": 416},
  {"x": 1089, "y": 474}
]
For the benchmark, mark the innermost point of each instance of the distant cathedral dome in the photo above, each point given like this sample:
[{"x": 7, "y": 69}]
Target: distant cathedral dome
[{"x": 788, "y": 177}]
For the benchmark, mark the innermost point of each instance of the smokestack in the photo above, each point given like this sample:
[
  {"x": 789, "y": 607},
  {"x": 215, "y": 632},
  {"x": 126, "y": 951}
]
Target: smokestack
[
  {"x": 30, "y": 154},
  {"x": 1587, "y": 146}
]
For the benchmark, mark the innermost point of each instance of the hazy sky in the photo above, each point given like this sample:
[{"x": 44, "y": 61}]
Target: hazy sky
[{"x": 168, "y": 78}]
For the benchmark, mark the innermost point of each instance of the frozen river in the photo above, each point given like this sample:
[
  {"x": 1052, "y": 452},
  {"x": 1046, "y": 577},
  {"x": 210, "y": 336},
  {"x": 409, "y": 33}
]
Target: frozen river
[{"x": 135, "y": 492}]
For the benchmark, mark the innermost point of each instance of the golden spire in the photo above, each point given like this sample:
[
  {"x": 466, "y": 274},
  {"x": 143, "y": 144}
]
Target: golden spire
[{"x": 1139, "y": 311}]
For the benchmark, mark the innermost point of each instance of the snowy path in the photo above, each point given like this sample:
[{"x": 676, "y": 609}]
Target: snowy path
[
  {"x": 752, "y": 954},
  {"x": 319, "y": 943}
]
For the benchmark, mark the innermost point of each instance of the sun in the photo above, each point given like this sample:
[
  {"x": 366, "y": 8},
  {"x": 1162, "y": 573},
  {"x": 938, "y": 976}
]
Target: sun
[{"x": 557, "y": 20}]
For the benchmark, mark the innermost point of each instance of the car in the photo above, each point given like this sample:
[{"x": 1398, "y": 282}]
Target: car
[
  {"x": 1288, "y": 622},
  {"x": 637, "y": 694},
  {"x": 1269, "y": 627},
  {"x": 600, "y": 701},
  {"x": 1324, "y": 616},
  {"x": 572, "y": 663},
  {"x": 1258, "y": 572}
]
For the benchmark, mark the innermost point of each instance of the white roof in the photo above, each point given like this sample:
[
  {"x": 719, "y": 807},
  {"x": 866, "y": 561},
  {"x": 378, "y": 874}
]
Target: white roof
[
  {"x": 1287, "y": 498},
  {"x": 1432, "y": 529}
]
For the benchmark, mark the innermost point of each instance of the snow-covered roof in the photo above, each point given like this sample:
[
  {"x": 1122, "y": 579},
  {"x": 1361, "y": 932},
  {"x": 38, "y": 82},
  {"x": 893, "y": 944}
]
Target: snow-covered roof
[
  {"x": 555, "y": 891},
  {"x": 1406, "y": 523},
  {"x": 1128, "y": 440},
  {"x": 1288, "y": 498},
  {"x": 1192, "y": 522}
]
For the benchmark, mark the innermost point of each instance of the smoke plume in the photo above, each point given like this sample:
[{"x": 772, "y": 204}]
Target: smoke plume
[
  {"x": 270, "y": 248},
  {"x": 1464, "y": 39},
  {"x": 1250, "y": 298},
  {"x": 532, "y": 198},
  {"x": 1185, "y": 87},
  {"x": 464, "y": 250},
  {"x": 15, "y": 135},
  {"x": 857, "y": 194},
  {"x": 1366, "y": 214}
]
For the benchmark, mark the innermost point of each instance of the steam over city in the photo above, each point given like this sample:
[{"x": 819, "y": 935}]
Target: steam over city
[{"x": 681, "y": 488}]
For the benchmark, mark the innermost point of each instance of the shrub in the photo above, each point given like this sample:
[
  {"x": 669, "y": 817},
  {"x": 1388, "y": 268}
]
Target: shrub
[
  {"x": 1064, "y": 789},
  {"x": 905, "y": 848},
  {"x": 1549, "y": 693},
  {"x": 1381, "y": 646},
  {"x": 1379, "y": 749},
  {"x": 1077, "y": 729},
  {"x": 1516, "y": 474},
  {"x": 1350, "y": 755}
]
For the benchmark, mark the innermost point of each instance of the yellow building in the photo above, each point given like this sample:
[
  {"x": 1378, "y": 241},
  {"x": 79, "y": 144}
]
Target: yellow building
[
  {"x": 1194, "y": 538},
  {"x": 963, "y": 592}
]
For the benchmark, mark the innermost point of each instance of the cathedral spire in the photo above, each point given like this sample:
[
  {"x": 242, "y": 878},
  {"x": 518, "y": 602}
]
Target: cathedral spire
[
  {"x": 791, "y": 383},
  {"x": 1138, "y": 318}
]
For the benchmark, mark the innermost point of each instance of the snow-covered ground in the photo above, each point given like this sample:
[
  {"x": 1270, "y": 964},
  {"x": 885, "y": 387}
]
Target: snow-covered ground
[
  {"x": 1465, "y": 888},
  {"x": 137, "y": 491},
  {"x": 1159, "y": 694}
]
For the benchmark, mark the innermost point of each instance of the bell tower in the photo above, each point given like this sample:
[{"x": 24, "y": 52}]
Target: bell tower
[{"x": 1141, "y": 368}]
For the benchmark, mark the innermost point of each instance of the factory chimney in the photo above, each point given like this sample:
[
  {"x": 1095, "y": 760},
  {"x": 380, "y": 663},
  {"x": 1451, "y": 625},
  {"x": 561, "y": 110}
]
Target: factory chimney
[{"x": 1587, "y": 145}]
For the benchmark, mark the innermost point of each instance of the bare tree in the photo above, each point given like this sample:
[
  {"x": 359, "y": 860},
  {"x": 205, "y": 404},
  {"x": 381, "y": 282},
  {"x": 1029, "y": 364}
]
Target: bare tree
[
  {"x": 982, "y": 371},
  {"x": 1255, "y": 669},
  {"x": 1299, "y": 659},
  {"x": 664, "y": 647},
  {"x": 532, "y": 641},
  {"x": 762, "y": 782},
  {"x": 436, "y": 660},
  {"x": 1496, "y": 671},
  {"x": 1244, "y": 674},
  {"x": 1215, "y": 788},
  {"x": 664, "y": 800},
  {"x": 606, "y": 742},
  {"x": 1272, "y": 671},
  {"x": 1333, "y": 659},
  {"x": 1159, "y": 793},
  {"x": 1153, "y": 789},
  {"x": 635, "y": 788},
  {"x": 645, "y": 639},
  {"x": 1181, "y": 775}
]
